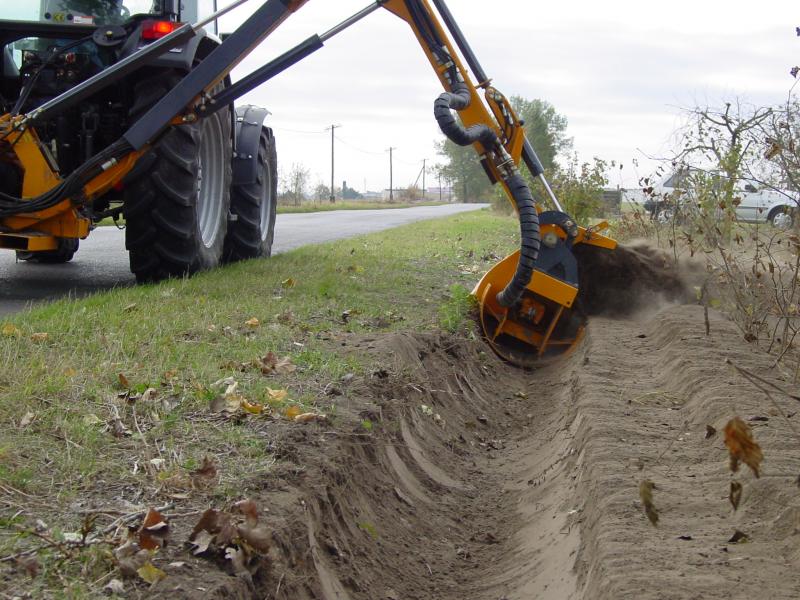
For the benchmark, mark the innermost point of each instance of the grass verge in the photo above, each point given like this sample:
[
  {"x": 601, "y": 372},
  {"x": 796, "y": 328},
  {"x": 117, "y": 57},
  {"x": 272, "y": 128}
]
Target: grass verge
[{"x": 109, "y": 402}]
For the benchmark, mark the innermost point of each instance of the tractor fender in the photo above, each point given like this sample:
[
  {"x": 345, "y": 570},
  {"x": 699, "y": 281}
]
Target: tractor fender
[
  {"x": 249, "y": 124},
  {"x": 183, "y": 57}
]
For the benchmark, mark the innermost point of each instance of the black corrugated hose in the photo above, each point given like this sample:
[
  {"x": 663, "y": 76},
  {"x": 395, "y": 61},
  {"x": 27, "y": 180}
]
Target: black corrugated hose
[{"x": 459, "y": 99}]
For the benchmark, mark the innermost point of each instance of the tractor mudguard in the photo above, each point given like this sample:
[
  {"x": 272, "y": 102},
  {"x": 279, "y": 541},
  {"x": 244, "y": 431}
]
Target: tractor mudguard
[
  {"x": 182, "y": 58},
  {"x": 249, "y": 123}
]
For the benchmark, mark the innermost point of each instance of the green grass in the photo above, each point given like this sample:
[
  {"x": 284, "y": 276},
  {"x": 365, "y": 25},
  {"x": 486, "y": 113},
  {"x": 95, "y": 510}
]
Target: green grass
[{"x": 59, "y": 395}]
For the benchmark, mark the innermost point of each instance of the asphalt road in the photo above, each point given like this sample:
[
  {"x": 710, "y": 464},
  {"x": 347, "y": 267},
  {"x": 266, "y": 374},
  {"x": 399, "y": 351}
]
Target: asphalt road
[{"x": 102, "y": 262}]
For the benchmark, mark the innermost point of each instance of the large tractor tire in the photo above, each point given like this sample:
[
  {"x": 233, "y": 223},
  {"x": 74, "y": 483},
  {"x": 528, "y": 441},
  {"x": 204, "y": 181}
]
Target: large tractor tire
[
  {"x": 67, "y": 247},
  {"x": 177, "y": 196},
  {"x": 254, "y": 206}
]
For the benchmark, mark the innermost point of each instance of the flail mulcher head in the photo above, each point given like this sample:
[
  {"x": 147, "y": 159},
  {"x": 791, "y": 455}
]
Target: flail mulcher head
[{"x": 548, "y": 319}]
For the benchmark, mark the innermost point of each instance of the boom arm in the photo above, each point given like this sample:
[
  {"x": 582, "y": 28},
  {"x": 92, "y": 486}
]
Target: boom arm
[{"x": 490, "y": 125}]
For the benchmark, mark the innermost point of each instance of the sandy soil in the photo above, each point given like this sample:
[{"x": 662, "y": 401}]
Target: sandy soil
[{"x": 481, "y": 481}]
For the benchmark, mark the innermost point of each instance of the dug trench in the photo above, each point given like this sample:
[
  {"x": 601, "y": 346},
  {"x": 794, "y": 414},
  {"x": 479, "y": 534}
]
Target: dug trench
[{"x": 448, "y": 474}]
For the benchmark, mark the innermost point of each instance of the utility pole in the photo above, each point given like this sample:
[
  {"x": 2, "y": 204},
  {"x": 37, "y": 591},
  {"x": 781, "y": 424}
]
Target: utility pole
[
  {"x": 333, "y": 193},
  {"x": 440, "y": 186},
  {"x": 424, "y": 161},
  {"x": 391, "y": 184}
]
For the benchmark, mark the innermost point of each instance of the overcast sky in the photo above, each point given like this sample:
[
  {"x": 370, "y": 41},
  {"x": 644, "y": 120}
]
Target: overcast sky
[{"x": 620, "y": 71}]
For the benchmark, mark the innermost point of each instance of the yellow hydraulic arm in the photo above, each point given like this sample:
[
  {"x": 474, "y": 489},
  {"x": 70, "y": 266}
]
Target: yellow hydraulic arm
[{"x": 529, "y": 302}]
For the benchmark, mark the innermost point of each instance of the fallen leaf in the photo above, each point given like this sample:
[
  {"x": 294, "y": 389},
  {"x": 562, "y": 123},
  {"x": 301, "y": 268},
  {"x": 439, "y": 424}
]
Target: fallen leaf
[
  {"x": 710, "y": 431},
  {"x": 149, "y": 394},
  {"x": 123, "y": 381},
  {"x": 150, "y": 574},
  {"x": 202, "y": 541},
  {"x": 253, "y": 408},
  {"x": 739, "y": 537},
  {"x": 741, "y": 446},
  {"x": 91, "y": 419},
  {"x": 257, "y": 538},
  {"x": 129, "y": 307},
  {"x": 646, "y": 494},
  {"x": 216, "y": 523},
  {"x": 177, "y": 565},
  {"x": 29, "y": 564},
  {"x": 252, "y": 323},
  {"x": 285, "y": 366},
  {"x": 206, "y": 474},
  {"x": 70, "y": 372},
  {"x": 26, "y": 419},
  {"x": 308, "y": 417},
  {"x": 250, "y": 511},
  {"x": 267, "y": 363},
  {"x": 115, "y": 586},
  {"x": 153, "y": 532},
  {"x": 118, "y": 428},
  {"x": 39, "y": 337},
  {"x": 237, "y": 558},
  {"x": 292, "y": 412},
  {"x": 10, "y": 330},
  {"x": 277, "y": 395},
  {"x": 288, "y": 283},
  {"x": 735, "y": 495}
]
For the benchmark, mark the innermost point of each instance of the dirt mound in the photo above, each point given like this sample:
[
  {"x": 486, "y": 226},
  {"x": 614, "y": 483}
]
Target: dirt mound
[{"x": 625, "y": 280}]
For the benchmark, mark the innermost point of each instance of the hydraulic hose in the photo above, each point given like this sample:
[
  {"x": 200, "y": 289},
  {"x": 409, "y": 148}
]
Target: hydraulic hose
[
  {"x": 459, "y": 99},
  {"x": 529, "y": 241}
]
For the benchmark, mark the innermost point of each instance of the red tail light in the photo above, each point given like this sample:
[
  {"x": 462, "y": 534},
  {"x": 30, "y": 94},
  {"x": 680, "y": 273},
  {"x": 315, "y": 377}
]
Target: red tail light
[{"x": 153, "y": 30}]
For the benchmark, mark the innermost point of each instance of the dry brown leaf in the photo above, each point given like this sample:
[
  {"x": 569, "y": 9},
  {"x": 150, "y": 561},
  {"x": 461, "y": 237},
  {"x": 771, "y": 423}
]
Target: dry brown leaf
[
  {"x": 292, "y": 412},
  {"x": 735, "y": 495},
  {"x": 288, "y": 283},
  {"x": 26, "y": 419},
  {"x": 10, "y": 330},
  {"x": 29, "y": 564},
  {"x": 129, "y": 307},
  {"x": 250, "y": 511},
  {"x": 115, "y": 586},
  {"x": 154, "y": 530},
  {"x": 70, "y": 372},
  {"x": 742, "y": 447},
  {"x": 258, "y": 538},
  {"x": 277, "y": 395},
  {"x": 285, "y": 366},
  {"x": 123, "y": 381},
  {"x": 254, "y": 408},
  {"x": 217, "y": 524},
  {"x": 237, "y": 558},
  {"x": 710, "y": 431},
  {"x": 267, "y": 363},
  {"x": 308, "y": 417},
  {"x": 252, "y": 323},
  {"x": 150, "y": 574},
  {"x": 206, "y": 474},
  {"x": 149, "y": 395},
  {"x": 39, "y": 337},
  {"x": 201, "y": 542},
  {"x": 646, "y": 494},
  {"x": 118, "y": 428}
]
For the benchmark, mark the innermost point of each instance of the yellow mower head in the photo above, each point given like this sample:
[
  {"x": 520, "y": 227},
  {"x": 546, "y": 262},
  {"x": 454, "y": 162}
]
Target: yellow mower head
[{"x": 548, "y": 319}]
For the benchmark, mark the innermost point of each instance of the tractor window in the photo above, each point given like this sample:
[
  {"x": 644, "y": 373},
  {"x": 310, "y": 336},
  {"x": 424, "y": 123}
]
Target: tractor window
[{"x": 77, "y": 12}]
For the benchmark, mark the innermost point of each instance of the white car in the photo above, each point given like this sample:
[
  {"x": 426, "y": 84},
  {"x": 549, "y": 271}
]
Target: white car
[{"x": 757, "y": 204}]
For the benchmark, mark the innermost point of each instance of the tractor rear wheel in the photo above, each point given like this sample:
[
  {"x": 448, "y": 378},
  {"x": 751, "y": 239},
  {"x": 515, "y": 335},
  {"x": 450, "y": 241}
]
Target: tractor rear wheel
[
  {"x": 254, "y": 206},
  {"x": 177, "y": 196}
]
